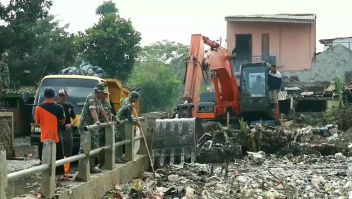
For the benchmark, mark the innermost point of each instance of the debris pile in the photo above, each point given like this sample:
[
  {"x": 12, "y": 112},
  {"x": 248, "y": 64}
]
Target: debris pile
[
  {"x": 256, "y": 176},
  {"x": 84, "y": 69},
  {"x": 289, "y": 160},
  {"x": 223, "y": 144}
]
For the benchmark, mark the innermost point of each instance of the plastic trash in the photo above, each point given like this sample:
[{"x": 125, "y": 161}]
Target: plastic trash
[
  {"x": 84, "y": 69},
  {"x": 172, "y": 177}
]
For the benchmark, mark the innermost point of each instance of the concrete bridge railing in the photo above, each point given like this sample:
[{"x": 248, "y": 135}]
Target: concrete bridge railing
[{"x": 49, "y": 163}]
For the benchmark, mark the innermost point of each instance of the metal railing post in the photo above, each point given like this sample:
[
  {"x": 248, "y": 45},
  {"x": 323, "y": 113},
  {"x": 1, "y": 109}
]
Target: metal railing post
[
  {"x": 47, "y": 188},
  {"x": 83, "y": 164},
  {"x": 142, "y": 146},
  {"x": 109, "y": 162},
  {"x": 3, "y": 172},
  {"x": 129, "y": 152}
]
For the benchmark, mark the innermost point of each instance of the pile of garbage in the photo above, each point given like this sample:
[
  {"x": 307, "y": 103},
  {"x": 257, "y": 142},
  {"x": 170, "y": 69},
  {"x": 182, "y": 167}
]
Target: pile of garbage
[
  {"x": 256, "y": 176},
  {"x": 221, "y": 144},
  {"x": 256, "y": 161},
  {"x": 84, "y": 69}
]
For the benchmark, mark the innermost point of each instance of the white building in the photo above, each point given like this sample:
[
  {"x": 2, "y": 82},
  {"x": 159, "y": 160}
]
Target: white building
[{"x": 345, "y": 41}]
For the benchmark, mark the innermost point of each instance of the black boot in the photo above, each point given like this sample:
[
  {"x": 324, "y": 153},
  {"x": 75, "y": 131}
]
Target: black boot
[
  {"x": 92, "y": 165},
  {"x": 119, "y": 158}
]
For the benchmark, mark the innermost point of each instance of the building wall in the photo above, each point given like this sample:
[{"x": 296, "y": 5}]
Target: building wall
[
  {"x": 292, "y": 44},
  {"x": 347, "y": 42},
  {"x": 326, "y": 66}
]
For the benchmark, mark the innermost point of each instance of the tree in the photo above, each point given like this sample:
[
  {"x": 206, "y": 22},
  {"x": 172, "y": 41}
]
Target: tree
[
  {"x": 159, "y": 72},
  {"x": 107, "y": 7},
  {"x": 159, "y": 88},
  {"x": 18, "y": 35},
  {"x": 112, "y": 43},
  {"x": 52, "y": 49},
  {"x": 20, "y": 17},
  {"x": 171, "y": 53}
]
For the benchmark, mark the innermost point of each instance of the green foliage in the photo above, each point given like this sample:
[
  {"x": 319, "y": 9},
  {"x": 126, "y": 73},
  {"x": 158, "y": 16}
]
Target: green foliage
[
  {"x": 34, "y": 40},
  {"x": 112, "y": 44},
  {"x": 340, "y": 88},
  {"x": 53, "y": 48},
  {"x": 160, "y": 72},
  {"x": 172, "y": 54},
  {"x": 20, "y": 17},
  {"x": 160, "y": 89},
  {"x": 107, "y": 7}
]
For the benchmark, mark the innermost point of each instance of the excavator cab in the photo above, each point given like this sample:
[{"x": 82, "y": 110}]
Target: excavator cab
[{"x": 254, "y": 98}]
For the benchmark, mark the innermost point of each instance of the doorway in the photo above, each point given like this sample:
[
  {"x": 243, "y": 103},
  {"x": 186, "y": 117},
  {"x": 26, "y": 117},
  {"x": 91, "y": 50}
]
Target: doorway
[
  {"x": 244, "y": 45},
  {"x": 243, "y": 50},
  {"x": 265, "y": 47}
]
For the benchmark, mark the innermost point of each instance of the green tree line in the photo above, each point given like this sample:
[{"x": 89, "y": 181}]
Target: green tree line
[{"x": 38, "y": 45}]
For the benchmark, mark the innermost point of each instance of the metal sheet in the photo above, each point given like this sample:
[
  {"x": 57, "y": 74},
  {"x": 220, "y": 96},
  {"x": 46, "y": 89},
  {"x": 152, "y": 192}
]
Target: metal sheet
[{"x": 172, "y": 136}]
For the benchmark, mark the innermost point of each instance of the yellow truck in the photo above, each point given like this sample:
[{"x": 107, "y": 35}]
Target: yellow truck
[{"x": 78, "y": 88}]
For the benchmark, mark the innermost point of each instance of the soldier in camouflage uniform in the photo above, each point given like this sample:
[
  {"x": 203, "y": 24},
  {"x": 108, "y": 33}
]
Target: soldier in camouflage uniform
[
  {"x": 107, "y": 109},
  {"x": 125, "y": 112},
  {"x": 90, "y": 115},
  {"x": 4, "y": 78}
]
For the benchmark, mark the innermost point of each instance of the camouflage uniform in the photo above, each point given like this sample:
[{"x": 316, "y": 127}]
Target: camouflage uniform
[
  {"x": 86, "y": 119},
  {"x": 125, "y": 112},
  {"x": 4, "y": 79},
  {"x": 107, "y": 109}
]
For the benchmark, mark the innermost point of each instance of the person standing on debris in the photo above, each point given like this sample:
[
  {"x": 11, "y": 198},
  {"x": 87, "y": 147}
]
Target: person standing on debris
[
  {"x": 66, "y": 129},
  {"x": 125, "y": 112},
  {"x": 90, "y": 115},
  {"x": 5, "y": 78},
  {"x": 49, "y": 116},
  {"x": 274, "y": 83}
]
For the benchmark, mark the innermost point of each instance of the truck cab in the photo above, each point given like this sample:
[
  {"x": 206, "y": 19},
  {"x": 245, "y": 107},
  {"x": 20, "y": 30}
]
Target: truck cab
[{"x": 78, "y": 88}]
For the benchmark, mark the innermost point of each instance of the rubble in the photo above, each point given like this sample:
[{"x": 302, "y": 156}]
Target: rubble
[
  {"x": 26, "y": 155},
  {"x": 22, "y": 141},
  {"x": 255, "y": 176},
  {"x": 280, "y": 139},
  {"x": 17, "y": 165},
  {"x": 290, "y": 160}
]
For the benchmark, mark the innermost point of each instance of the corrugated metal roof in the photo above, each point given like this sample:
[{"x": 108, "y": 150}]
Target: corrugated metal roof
[
  {"x": 278, "y": 16},
  {"x": 327, "y": 41}
]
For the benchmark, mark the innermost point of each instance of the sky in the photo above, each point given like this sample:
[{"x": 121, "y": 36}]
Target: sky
[{"x": 160, "y": 19}]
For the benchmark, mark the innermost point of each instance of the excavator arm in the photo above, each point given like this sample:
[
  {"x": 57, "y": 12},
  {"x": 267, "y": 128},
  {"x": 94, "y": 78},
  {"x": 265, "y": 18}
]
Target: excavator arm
[
  {"x": 216, "y": 60},
  {"x": 180, "y": 136}
]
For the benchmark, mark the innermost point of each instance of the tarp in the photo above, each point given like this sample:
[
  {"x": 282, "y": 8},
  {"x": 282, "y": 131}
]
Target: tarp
[{"x": 84, "y": 69}]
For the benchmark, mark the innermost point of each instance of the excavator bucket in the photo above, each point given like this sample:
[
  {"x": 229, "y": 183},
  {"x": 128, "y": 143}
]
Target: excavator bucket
[{"x": 176, "y": 137}]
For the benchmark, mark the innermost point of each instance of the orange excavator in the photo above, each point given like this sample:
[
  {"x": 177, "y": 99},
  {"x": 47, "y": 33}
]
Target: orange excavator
[{"x": 244, "y": 97}]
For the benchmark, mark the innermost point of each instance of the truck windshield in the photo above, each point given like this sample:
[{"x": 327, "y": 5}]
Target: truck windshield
[
  {"x": 254, "y": 80},
  {"x": 77, "y": 90}
]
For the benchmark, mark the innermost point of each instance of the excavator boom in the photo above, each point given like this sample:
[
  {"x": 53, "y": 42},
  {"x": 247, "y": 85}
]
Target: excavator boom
[
  {"x": 216, "y": 60},
  {"x": 179, "y": 137}
]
